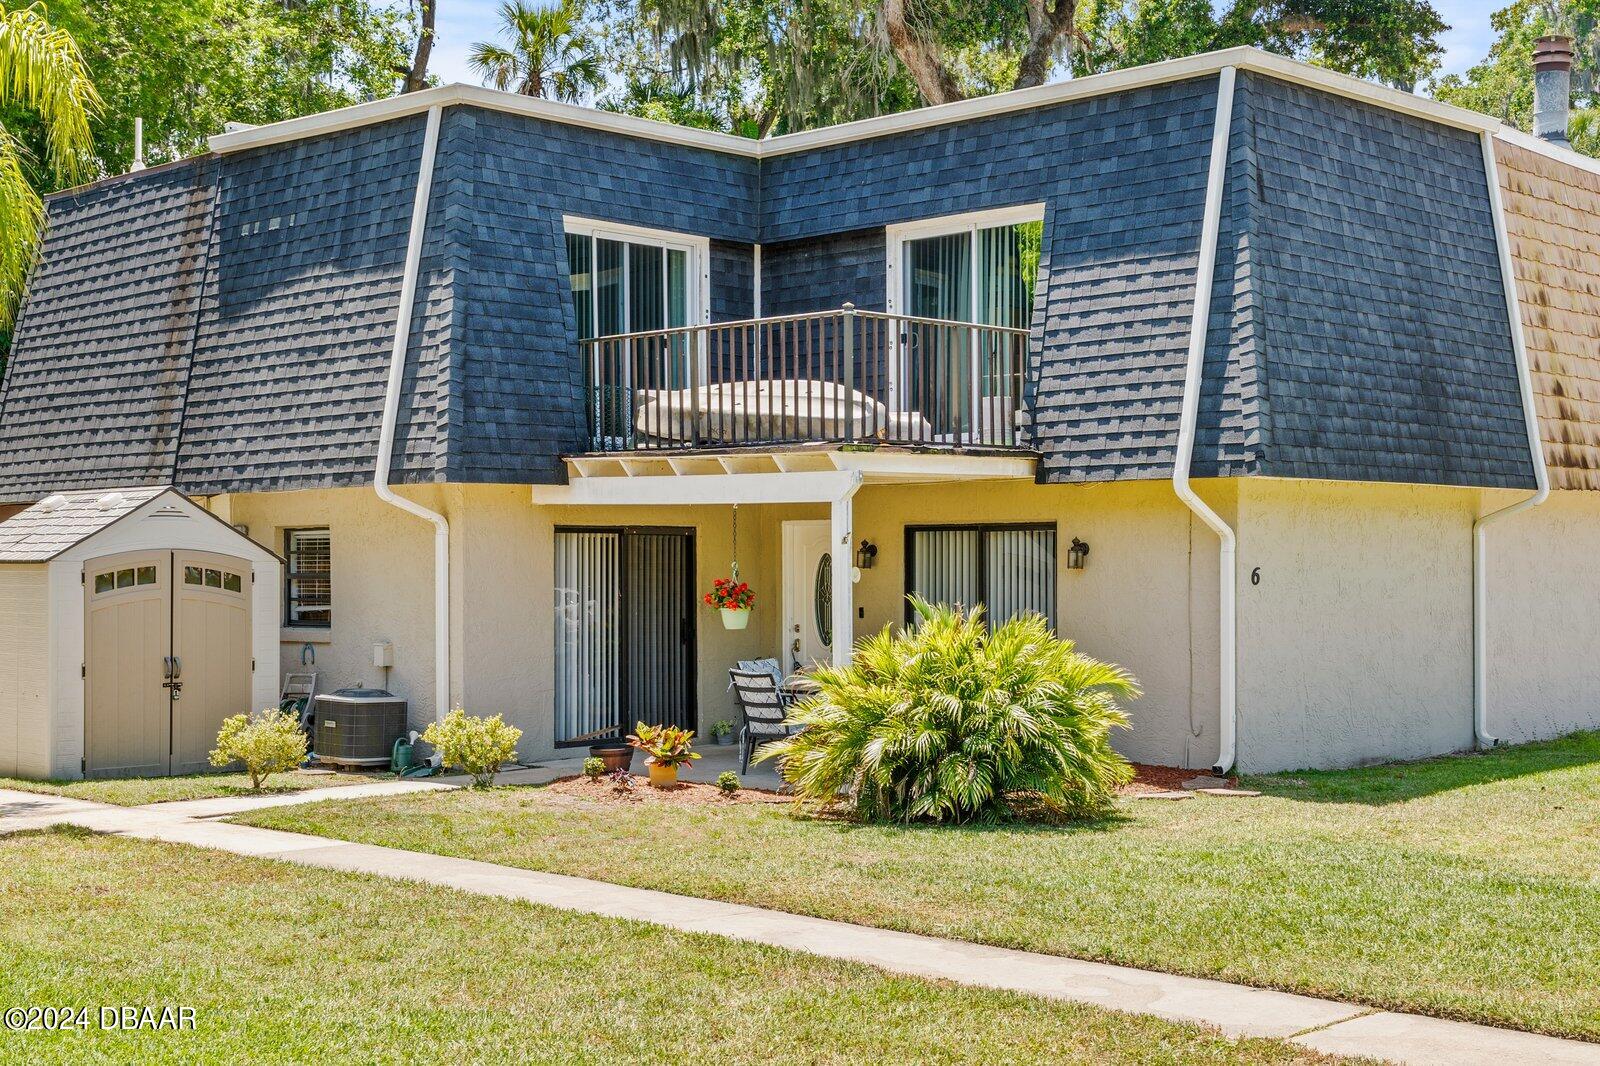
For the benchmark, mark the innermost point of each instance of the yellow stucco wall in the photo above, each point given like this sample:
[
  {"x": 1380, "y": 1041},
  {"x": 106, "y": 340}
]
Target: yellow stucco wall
[
  {"x": 1147, "y": 598},
  {"x": 1356, "y": 645},
  {"x": 1544, "y": 618}
]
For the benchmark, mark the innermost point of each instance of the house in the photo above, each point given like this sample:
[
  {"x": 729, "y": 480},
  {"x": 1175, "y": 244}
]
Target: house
[{"x": 1275, "y": 386}]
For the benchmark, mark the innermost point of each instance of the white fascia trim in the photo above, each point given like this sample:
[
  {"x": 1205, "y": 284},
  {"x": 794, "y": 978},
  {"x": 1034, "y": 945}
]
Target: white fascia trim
[
  {"x": 998, "y": 104},
  {"x": 823, "y": 486},
  {"x": 393, "y": 107},
  {"x": 1541, "y": 477},
  {"x": 1198, "y": 325},
  {"x": 1560, "y": 153}
]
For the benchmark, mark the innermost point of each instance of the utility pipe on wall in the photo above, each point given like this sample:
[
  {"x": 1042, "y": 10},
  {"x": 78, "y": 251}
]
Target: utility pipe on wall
[
  {"x": 1541, "y": 477},
  {"x": 1201, "y": 320},
  {"x": 391, "y": 414}
]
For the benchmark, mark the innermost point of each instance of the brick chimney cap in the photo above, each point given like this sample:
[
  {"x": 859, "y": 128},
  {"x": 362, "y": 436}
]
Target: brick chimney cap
[{"x": 1553, "y": 52}]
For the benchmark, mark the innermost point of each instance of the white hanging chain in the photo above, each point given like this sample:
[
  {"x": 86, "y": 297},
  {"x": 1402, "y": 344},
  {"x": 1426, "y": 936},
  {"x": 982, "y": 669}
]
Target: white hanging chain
[{"x": 735, "y": 544}]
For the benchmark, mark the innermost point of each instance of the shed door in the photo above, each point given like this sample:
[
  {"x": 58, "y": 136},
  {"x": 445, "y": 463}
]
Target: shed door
[
  {"x": 127, "y": 636},
  {"x": 211, "y": 650},
  {"x": 167, "y": 658}
]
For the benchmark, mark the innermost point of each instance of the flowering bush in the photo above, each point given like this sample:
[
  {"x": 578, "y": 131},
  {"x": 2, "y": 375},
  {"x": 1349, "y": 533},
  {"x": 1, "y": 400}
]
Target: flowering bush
[{"x": 727, "y": 594}]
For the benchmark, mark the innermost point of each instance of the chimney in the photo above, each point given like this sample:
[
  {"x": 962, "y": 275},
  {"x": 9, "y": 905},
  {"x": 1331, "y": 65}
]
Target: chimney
[
  {"x": 138, "y": 145},
  {"x": 1552, "y": 87}
]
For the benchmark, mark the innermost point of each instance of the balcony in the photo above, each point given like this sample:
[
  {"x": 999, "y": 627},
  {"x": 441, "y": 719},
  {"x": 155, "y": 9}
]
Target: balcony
[{"x": 833, "y": 377}]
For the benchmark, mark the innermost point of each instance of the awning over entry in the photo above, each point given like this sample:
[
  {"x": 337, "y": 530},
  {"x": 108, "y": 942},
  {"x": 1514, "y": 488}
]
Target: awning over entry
[{"x": 830, "y": 476}]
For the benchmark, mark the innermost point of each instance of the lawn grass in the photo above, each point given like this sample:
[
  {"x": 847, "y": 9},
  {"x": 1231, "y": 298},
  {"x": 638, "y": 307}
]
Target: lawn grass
[
  {"x": 137, "y": 791},
  {"x": 288, "y": 964},
  {"x": 1466, "y": 887}
]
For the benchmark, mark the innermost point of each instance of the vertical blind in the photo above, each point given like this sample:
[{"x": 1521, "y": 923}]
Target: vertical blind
[
  {"x": 984, "y": 275},
  {"x": 588, "y": 595},
  {"x": 1009, "y": 570}
]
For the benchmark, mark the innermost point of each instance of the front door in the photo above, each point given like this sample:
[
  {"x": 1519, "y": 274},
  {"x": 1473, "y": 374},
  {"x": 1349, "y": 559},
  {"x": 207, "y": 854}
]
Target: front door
[
  {"x": 166, "y": 659},
  {"x": 807, "y": 594},
  {"x": 625, "y": 612}
]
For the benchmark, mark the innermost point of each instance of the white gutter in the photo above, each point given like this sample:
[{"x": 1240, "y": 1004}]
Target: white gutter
[
  {"x": 391, "y": 414},
  {"x": 1541, "y": 477},
  {"x": 1198, "y": 324}
]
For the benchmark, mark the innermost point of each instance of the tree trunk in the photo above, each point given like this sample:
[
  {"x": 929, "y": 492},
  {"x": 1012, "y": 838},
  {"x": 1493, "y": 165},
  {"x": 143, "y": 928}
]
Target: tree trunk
[
  {"x": 1045, "y": 30},
  {"x": 934, "y": 80},
  {"x": 417, "y": 76}
]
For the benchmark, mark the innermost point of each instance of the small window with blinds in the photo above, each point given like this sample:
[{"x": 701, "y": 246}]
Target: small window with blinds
[
  {"x": 308, "y": 579},
  {"x": 1009, "y": 569}
]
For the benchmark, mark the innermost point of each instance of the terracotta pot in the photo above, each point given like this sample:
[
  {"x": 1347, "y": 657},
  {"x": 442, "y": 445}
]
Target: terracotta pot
[
  {"x": 615, "y": 756},
  {"x": 663, "y": 776},
  {"x": 735, "y": 617}
]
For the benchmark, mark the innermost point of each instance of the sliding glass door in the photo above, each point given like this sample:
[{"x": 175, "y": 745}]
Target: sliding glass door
[
  {"x": 982, "y": 270},
  {"x": 624, "y": 632},
  {"x": 630, "y": 282}
]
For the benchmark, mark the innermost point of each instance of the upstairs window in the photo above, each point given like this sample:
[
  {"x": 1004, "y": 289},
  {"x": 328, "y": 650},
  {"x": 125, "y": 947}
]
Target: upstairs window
[
  {"x": 628, "y": 280},
  {"x": 308, "y": 580},
  {"x": 980, "y": 268}
]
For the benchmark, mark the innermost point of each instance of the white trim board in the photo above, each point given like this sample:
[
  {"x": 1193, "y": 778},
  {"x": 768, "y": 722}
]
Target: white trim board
[{"x": 944, "y": 114}]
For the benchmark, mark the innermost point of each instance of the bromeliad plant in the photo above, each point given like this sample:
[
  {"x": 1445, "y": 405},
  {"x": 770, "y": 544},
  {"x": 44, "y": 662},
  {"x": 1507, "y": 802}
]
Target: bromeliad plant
[
  {"x": 730, "y": 594},
  {"x": 666, "y": 745},
  {"x": 951, "y": 721}
]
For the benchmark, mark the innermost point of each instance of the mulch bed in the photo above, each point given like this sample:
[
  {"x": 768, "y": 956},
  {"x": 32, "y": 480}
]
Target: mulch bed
[
  {"x": 1149, "y": 779},
  {"x": 1146, "y": 779},
  {"x": 684, "y": 793}
]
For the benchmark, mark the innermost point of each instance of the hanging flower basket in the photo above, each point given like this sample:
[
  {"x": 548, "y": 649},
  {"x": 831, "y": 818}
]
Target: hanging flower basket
[{"x": 733, "y": 599}]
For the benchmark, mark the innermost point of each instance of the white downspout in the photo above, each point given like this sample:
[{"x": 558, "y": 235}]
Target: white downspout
[
  {"x": 1541, "y": 477},
  {"x": 391, "y": 414},
  {"x": 841, "y": 528},
  {"x": 1191, "y": 412}
]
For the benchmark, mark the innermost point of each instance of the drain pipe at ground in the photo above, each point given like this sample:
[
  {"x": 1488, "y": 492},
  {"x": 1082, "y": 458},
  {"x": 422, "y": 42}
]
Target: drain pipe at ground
[
  {"x": 1204, "y": 271},
  {"x": 391, "y": 414},
  {"x": 1541, "y": 477}
]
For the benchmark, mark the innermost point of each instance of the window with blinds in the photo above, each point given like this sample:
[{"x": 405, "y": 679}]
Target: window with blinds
[
  {"x": 1009, "y": 569},
  {"x": 308, "y": 579}
]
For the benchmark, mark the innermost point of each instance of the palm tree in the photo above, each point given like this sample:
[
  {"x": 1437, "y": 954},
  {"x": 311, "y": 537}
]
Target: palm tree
[
  {"x": 41, "y": 71},
  {"x": 548, "y": 56}
]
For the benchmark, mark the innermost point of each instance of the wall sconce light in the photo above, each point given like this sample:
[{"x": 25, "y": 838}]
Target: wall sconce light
[
  {"x": 1077, "y": 555},
  {"x": 866, "y": 552}
]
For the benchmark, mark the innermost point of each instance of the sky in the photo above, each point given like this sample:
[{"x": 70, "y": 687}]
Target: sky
[{"x": 462, "y": 23}]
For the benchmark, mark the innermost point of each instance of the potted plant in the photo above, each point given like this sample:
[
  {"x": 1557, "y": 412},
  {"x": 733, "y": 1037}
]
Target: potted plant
[
  {"x": 722, "y": 733},
  {"x": 614, "y": 755},
  {"x": 733, "y": 599},
  {"x": 667, "y": 748}
]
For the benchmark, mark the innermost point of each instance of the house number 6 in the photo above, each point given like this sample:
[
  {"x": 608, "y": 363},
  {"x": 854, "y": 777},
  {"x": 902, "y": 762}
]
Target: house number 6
[{"x": 1255, "y": 576}]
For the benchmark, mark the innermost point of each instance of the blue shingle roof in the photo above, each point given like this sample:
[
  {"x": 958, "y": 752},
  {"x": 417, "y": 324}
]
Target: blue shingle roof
[{"x": 225, "y": 324}]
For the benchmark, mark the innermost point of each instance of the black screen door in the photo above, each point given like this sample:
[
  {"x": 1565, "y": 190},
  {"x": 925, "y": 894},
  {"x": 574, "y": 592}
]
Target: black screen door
[{"x": 624, "y": 601}]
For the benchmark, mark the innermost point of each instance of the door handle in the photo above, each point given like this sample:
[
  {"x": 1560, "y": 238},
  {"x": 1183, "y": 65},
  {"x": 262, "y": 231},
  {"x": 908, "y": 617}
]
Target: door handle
[
  {"x": 166, "y": 667},
  {"x": 177, "y": 667}
]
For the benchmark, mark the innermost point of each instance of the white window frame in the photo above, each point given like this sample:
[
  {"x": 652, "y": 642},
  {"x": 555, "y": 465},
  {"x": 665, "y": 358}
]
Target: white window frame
[
  {"x": 969, "y": 222},
  {"x": 698, "y": 299}
]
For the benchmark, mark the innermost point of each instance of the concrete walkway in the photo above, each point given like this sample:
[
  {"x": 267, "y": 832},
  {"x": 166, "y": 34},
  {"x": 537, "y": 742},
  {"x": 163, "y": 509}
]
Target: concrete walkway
[{"x": 1237, "y": 1010}]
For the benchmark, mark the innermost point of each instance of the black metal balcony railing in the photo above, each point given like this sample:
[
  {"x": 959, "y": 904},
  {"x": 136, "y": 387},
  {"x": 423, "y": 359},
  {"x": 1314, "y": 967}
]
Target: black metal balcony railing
[{"x": 830, "y": 377}]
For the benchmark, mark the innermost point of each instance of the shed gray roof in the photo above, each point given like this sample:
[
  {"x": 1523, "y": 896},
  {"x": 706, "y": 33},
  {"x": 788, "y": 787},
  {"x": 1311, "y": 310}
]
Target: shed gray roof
[{"x": 58, "y": 522}]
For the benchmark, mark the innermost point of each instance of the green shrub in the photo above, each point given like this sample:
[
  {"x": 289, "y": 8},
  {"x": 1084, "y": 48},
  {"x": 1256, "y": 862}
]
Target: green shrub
[
  {"x": 952, "y": 722},
  {"x": 728, "y": 781},
  {"x": 593, "y": 767},
  {"x": 267, "y": 742},
  {"x": 476, "y": 746}
]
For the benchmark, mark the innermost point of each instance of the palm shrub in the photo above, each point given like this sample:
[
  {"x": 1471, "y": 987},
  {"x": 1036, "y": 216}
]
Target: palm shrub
[{"x": 951, "y": 721}]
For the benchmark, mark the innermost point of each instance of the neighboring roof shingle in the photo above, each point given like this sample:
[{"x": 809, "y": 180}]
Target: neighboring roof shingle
[{"x": 57, "y": 522}]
